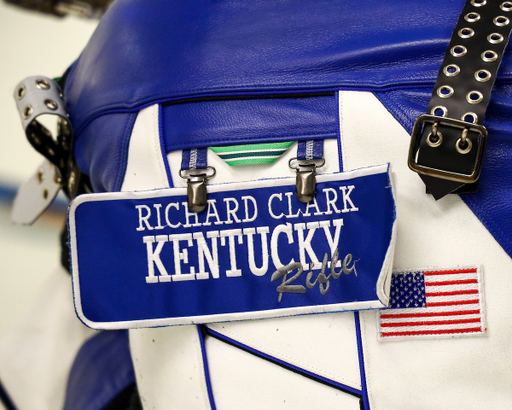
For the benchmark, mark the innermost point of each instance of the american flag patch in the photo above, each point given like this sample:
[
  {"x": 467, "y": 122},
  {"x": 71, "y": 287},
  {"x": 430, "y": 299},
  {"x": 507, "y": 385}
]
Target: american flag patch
[{"x": 434, "y": 303}]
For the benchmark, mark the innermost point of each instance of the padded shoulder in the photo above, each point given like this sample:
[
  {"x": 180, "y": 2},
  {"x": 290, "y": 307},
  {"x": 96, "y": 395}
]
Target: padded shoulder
[{"x": 147, "y": 52}]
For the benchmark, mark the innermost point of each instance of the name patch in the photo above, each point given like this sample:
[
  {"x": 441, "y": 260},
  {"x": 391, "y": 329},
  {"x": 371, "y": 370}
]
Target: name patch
[{"x": 142, "y": 259}]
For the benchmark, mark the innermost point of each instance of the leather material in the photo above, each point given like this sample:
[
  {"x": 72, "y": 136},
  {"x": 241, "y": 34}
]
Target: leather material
[
  {"x": 102, "y": 150},
  {"x": 211, "y": 123},
  {"x": 101, "y": 371},
  {"x": 161, "y": 51},
  {"x": 467, "y": 50},
  {"x": 493, "y": 203},
  {"x": 146, "y": 52}
]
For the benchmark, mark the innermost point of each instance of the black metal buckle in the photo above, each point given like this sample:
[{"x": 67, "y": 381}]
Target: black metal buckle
[{"x": 443, "y": 173}]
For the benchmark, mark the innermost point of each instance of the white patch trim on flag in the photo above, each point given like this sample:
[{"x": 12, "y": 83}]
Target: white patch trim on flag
[{"x": 454, "y": 307}]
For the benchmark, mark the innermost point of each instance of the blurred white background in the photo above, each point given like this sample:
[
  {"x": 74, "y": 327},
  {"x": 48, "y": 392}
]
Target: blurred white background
[{"x": 31, "y": 44}]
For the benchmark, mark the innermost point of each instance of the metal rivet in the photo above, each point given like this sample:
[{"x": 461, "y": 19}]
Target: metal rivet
[
  {"x": 467, "y": 143},
  {"x": 451, "y": 70},
  {"x": 472, "y": 17},
  {"x": 51, "y": 105},
  {"x": 478, "y": 3},
  {"x": 445, "y": 91},
  {"x": 437, "y": 109},
  {"x": 71, "y": 181},
  {"x": 20, "y": 93},
  {"x": 489, "y": 56},
  {"x": 474, "y": 117},
  {"x": 495, "y": 38},
  {"x": 27, "y": 112},
  {"x": 466, "y": 32},
  {"x": 40, "y": 176},
  {"x": 42, "y": 84},
  {"x": 474, "y": 97},
  {"x": 501, "y": 21},
  {"x": 482, "y": 75},
  {"x": 506, "y": 6},
  {"x": 458, "y": 51}
]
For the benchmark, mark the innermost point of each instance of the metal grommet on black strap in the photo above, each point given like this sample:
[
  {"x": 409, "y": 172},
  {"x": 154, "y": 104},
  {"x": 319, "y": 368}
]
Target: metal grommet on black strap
[
  {"x": 472, "y": 17},
  {"x": 439, "y": 110},
  {"x": 445, "y": 91},
  {"x": 451, "y": 70},
  {"x": 466, "y": 32},
  {"x": 447, "y": 144},
  {"x": 478, "y": 3},
  {"x": 489, "y": 56},
  {"x": 458, "y": 51},
  {"x": 483, "y": 75},
  {"x": 474, "y": 97},
  {"x": 470, "y": 117},
  {"x": 506, "y": 6},
  {"x": 501, "y": 21},
  {"x": 495, "y": 38}
]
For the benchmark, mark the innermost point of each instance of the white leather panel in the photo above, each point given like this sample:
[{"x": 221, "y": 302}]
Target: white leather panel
[{"x": 471, "y": 372}]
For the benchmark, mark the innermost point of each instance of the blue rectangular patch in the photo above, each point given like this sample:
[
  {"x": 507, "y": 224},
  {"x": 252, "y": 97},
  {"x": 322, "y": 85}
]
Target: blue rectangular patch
[{"x": 142, "y": 259}]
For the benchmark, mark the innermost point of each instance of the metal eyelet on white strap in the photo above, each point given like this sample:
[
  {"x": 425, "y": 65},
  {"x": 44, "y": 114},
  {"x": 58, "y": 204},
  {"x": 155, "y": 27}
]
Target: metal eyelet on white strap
[
  {"x": 466, "y": 32},
  {"x": 506, "y": 6},
  {"x": 470, "y": 115},
  {"x": 439, "y": 110},
  {"x": 482, "y": 75},
  {"x": 489, "y": 56},
  {"x": 27, "y": 112},
  {"x": 42, "y": 84},
  {"x": 472, "y": 17},
  {"x": 51, "y": 105},
  {"x": 495, "y": 38},
  {"x": 458, "y": 51},
  {"x": 474, "y": 97},
  {"x": 445, "y": 91},
  {"x": 501, "y": 21},
  {"x": 451, "y": 70},
  {"x": 478, "y": 3},
  {"x": 20, "y": 92}
]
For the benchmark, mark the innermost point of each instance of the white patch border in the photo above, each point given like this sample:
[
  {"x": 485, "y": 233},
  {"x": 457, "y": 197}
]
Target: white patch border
[{"x": 382, "y": 285}]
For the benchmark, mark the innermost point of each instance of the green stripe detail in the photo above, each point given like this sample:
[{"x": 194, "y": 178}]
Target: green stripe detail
[
  {"x": 252, "y": 153},
  {"x": 251, "y": 161}
]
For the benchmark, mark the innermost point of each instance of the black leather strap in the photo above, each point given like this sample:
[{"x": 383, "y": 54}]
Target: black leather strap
[{"x": 448, "y": 154}]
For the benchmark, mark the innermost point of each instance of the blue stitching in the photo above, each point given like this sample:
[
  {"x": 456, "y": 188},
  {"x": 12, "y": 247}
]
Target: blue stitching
[
  {"x": 361, "y": 361},
  {"x": 303, "y": 372},
  {"x": 338, "y": 130},
  {"x": 205, "y": 364},
  {"x": 162, "y": 146}
]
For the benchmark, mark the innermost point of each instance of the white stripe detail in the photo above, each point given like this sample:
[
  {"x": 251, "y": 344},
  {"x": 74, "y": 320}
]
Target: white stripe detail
[{"x": 277, "y": 150}]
